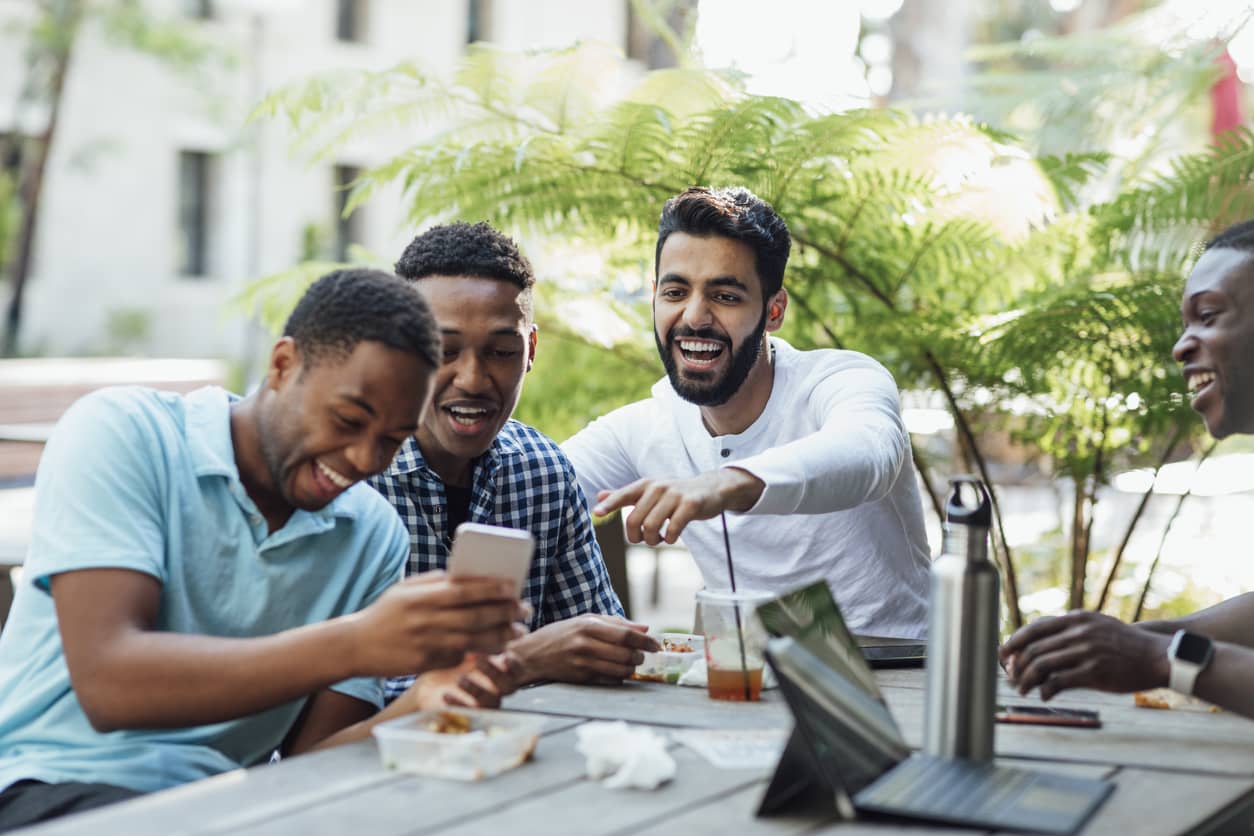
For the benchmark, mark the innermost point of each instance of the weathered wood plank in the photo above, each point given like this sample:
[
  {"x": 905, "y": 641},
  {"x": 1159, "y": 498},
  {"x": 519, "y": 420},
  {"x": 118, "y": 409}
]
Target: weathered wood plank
[
  {"x": 1177, "y": 740},
  {"x": 733, "y": 813},
  {"x": 882, "y": 828},
  {"x": 915, "y": 679},
  {"x": 347, "y": 789},
  {"x": 319, "y": 778},
  {"x": 586, "y": 808},
  {"x": 416, "y": 804},
  {"x": 1145, "y": 802},
  {"x": 192, "y": 807},
  {"x": 1149, "y": 803},
  {"x": 653, "y": 703}
]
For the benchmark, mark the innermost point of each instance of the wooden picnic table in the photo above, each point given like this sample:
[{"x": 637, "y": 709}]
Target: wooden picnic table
[{"x": 1177, "y": 771}]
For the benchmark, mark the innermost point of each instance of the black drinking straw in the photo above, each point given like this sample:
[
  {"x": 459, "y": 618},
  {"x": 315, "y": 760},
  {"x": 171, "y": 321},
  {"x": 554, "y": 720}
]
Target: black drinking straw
[{"x": 740, "y": 635}]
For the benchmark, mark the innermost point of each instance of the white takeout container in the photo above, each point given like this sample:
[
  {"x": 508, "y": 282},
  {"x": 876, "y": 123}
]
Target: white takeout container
[
  {"x": 498, "y": 741},
  {"x": 669, "y": 666}
]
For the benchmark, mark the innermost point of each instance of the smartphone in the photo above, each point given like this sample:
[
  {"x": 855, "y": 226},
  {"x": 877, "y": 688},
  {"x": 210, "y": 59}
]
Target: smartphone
[
  {"x": 492, "y": 551},
  {"x": 1042, "y": 715}
]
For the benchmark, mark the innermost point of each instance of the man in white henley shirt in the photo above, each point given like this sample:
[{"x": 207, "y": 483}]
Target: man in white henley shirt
[{"x": 808, "y": 446}]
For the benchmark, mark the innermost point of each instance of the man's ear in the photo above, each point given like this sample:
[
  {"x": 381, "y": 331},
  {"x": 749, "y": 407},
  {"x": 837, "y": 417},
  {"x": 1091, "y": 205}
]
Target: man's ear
[
  {"x": 775, "y": 310},
  {"x": 532, "y": 339},
  {"x": 285, "y": 363}
]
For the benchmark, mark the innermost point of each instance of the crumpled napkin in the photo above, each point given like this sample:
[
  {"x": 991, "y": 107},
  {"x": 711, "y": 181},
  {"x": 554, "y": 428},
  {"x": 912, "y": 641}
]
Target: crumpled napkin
[
  {"x": 695, "y": 676},
  {"x": 631, "y": 756}
]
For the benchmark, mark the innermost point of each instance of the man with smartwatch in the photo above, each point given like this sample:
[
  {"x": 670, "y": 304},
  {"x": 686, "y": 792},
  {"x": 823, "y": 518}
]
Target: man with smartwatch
[{"x": 1209, "y": 653}]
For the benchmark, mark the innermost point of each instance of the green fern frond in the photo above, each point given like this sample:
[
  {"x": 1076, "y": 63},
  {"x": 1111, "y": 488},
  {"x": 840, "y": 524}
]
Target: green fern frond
[
  {"x": 1072, "y": 172},
  {"x": 271, "y": 298},
  {"x": 1152, "y": 224},
  {"x": 900, "y": 245}
]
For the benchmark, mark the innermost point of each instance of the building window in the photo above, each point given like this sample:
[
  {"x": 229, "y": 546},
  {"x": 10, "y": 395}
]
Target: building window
[
  {"x": 347, "y": 229},
  {"x": 195, "y": 171},
  {"x": 642, "y": 42},
  {"x": 12, "y": 146},
  {"x": 350, "y": 20},
  {"x": 198, "y": 9},
  {"x": 478, "y": 21}
]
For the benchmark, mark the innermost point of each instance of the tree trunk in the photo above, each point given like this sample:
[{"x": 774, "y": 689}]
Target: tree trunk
[
  {"x": 966, "y": 435},
  {"x": 928, "y": 44},
  {"x": 925, "y": 476},
  {"x": 33, "y": 178},
  {"x": 1162, "y": 541},
  {"x": 1113, "y": 572},
  {"x": 1079, "y": 543}
]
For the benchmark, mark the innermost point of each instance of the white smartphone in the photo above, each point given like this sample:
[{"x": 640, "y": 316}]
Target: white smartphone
[{"x": 492, "y": 551}]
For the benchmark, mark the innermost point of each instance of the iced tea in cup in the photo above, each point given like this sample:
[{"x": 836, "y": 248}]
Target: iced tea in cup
[{"x": 735, "y": 642}]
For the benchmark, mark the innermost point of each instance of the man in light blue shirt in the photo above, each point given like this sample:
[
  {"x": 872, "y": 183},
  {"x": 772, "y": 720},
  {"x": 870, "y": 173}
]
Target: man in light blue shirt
[{"x": 207, "y": 582}]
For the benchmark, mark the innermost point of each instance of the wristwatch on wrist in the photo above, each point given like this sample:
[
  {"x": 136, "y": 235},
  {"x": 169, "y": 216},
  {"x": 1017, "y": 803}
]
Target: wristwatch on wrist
[{"x": 1188, "y": 655}]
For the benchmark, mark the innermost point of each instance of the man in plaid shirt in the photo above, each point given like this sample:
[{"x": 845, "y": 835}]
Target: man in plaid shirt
[{"x": 470, "y": 461}]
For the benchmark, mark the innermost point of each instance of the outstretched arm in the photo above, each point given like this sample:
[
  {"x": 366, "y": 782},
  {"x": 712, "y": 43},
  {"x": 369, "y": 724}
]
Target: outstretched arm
[
  {"x": 601, "y": 451},
  {"x": 1090, "y": 650},
  {"x": 128, "y": 675},
  {"x": 854, "y": 456},
  {"x": 664, "y": 507},
  {"x": 1228, "y": 621}
]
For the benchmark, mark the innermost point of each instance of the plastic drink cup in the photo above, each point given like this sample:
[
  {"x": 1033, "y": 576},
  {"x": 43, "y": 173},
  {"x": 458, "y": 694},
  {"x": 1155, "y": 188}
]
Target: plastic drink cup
[{"x": 735, "y": 642}]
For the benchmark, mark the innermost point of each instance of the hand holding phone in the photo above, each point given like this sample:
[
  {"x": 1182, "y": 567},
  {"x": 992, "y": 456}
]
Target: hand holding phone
[
  {"x": 492, "y": 551},
  {"x": 1044, "y": 715}
]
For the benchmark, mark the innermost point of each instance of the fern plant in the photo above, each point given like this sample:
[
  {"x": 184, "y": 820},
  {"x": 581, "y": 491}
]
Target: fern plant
[{"x": 913, "y": 237}]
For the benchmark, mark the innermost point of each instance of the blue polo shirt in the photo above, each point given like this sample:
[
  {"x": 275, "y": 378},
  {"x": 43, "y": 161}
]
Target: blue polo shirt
[{"x": 146, "y": 481}]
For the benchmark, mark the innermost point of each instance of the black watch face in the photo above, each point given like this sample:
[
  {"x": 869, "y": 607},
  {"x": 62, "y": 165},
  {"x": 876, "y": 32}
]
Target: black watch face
[{"x": 1193, "y": 648}]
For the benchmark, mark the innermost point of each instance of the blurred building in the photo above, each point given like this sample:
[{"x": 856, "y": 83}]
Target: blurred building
[{"x": 161, "y": 201}]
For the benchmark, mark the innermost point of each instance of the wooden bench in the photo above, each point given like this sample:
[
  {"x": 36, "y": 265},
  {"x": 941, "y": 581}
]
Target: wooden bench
[{"x": 34, "y": 393}]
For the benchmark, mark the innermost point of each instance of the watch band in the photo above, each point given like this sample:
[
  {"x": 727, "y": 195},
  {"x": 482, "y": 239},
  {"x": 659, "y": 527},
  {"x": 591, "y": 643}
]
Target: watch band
[
  {"x": 1183, "y": 676},
  {"x": 1184, "y": 671}
]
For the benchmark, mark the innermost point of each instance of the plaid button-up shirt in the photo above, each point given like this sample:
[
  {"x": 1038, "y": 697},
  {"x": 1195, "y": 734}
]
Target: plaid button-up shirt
[{"x": 522, "y": 481}]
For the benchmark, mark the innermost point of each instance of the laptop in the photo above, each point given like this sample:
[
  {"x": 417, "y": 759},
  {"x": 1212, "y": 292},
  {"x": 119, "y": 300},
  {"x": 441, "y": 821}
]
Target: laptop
[
  {"x": 847, "y": 746},
  {"x": 792, "y": 614},
  {"x": 885, "y": 652}
]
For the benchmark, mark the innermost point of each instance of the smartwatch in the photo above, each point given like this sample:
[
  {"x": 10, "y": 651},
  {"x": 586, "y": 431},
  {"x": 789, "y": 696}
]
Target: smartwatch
[{"x": 1188, "y": 655}]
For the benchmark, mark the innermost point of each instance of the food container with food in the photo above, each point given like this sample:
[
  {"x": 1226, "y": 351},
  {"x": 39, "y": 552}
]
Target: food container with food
[
  {"x": 459, "y": 743},
  {"x": 679, "y": 652}
]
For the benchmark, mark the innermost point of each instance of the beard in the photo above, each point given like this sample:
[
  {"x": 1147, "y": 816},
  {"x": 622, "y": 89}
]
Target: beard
[{"x": 703, "y": 388}]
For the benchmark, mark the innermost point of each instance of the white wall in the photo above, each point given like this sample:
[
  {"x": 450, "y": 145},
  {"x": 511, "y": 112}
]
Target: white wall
[{"x": 108, "y": 232}]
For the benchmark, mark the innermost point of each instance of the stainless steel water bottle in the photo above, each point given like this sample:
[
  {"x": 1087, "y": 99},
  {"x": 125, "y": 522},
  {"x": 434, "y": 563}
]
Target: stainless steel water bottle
[{"x": 962, "y": 634}]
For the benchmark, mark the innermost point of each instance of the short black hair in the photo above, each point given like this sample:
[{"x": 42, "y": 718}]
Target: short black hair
[
  {"x": 1239, "y": 236},
  {"x": 735, "y": 213},
  {"x": 464, "y": 249},
  {"x": 358, "y": 305}
]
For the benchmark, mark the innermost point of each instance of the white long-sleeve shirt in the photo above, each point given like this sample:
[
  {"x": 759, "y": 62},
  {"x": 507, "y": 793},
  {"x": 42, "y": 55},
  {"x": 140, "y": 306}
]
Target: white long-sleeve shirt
[{"x": 840, "y": 502}]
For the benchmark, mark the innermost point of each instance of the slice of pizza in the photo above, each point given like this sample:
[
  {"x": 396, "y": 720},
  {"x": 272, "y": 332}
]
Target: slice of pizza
[{"x": 1167, "y": 698}]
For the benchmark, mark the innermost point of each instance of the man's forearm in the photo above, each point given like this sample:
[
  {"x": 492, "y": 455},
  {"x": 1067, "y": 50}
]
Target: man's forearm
[
  {"x": 1165, "y": 626},
  {"x": 152, "y": 679},
  {"x": 527, "y": 652},
  {"x": 1226, "y": 680},
  {"x": 739, "y": 489},
  {"x": 828, "y": 470},
  {"x": 361, "y": 730},
  {"x": 1229, "y": 621}
]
